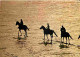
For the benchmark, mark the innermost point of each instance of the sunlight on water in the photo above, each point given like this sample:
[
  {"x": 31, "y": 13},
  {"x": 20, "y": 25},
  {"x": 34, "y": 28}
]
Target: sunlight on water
[{"x": 34, "y": 15}]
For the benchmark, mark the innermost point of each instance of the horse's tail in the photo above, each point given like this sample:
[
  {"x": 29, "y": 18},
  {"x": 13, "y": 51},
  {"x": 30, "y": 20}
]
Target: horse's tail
[
  {"x": 27, "y": 28},
  {"x": 70, "y": 37},
  {"x": 55, "y": 33}
]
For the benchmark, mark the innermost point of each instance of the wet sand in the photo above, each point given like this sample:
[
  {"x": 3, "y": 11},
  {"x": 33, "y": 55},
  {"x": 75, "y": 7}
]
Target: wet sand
[{"x": 34, "y": 15}]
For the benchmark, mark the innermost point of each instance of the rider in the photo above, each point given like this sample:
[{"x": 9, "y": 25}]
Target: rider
[
  {"x": 21, "y": 22},
  {"x": 63, "y": 29},
  {"x": 48, "y": 27}
]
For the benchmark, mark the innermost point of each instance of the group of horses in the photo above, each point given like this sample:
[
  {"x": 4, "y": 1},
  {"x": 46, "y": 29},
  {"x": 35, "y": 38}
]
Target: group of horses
[
  {"x": 46, "y": 32},
  {"x": 63, "y": 34}
]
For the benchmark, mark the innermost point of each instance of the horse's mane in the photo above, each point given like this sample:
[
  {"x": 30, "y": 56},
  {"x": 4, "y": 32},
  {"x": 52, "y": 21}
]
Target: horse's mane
[{"x": 43, "y": 27}]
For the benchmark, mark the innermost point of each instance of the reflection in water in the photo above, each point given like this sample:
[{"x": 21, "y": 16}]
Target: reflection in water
[
  {"x": 78, "y": 46},
  {"x": 46, "y": 43},
  {"x": 63, "y": 46},
  {"x": 21, "y": 42},
  {"x": 19, "y": 38}
]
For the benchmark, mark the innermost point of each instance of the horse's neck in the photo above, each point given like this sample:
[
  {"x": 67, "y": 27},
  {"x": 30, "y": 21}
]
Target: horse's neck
[
  {"x": 19, "y": 25},
  {"x": 44, "y": 28}
]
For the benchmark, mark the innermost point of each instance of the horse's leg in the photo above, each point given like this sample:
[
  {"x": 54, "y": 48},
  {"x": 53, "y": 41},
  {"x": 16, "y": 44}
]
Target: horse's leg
[
  {"x": 20, "y": 32},
  {"x": 63, "y": 39},
  {"x": 51, "y": 39},
  {"x": 44, "y": 37},
  {"x": 69, "y": 40},
  {"x": 47, "y": 37},
  {"x": 25, "y": 33},
  {"x": 66, "y": 40}
]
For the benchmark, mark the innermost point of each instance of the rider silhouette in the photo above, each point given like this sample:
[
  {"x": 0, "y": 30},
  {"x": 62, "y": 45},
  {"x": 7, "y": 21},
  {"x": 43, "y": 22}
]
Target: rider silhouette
[
  {"x": 21, "y": 22},
  {"x": 48, "y": 27},
  {"x": 63, "y": 29}
]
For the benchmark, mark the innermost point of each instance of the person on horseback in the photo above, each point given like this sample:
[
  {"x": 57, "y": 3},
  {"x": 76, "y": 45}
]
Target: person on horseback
[
  {"x": 48, "y": 27},
  {"x": 21, "y": 26},
  {"x": 65, "y": 34},
  {"x": 63, "y": 29},
  {"x": 21, "y": 22}
]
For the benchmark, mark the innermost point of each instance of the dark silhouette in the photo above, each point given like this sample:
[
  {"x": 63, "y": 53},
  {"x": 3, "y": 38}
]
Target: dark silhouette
[
  {"x": 22, "y": 27},
  {"x": 63, "y": 46},
  {"x": 63, "y": 29},
  {"x": 46, "y": 32},
  {"x": 45, "y": 43},
  {"x": 48, "y": 27},
  {"x": 79, "y": 37},
  {"x": 21, "y": 22},
  {"x": 65, "y": 34}
]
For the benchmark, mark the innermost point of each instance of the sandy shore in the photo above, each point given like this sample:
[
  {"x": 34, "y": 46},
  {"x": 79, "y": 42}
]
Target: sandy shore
[{"x": 34, "y": 15}]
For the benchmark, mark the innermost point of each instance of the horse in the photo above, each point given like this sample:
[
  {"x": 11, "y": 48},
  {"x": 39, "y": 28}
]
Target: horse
[
  {"x": 22, "y": 27},
  {"x": 66, "y": 35},
  {"x": 48, "y": 31}
]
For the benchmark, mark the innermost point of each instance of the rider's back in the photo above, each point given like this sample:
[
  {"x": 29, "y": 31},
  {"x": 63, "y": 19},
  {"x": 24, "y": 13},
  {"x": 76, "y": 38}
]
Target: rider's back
[
  {"x": 21, "y": 22},
  {"x": 63, "y": 29}
]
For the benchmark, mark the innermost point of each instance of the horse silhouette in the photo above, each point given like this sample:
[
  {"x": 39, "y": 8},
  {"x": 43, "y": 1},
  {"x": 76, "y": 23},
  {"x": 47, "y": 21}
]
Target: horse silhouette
[
  {"x": 48, "y": 31},
  {"x": 22, "y": 27},
  {"x": 66, "y": 35}
]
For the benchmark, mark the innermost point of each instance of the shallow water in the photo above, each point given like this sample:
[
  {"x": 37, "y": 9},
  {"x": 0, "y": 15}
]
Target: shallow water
[{"x": 34, "y": 15}]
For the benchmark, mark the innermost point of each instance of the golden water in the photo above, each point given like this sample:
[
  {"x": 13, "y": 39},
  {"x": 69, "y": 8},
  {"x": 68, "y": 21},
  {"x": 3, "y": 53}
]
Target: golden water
[{"x": 34, "y": 15}]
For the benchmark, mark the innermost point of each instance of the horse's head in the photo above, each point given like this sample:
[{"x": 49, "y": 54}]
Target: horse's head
[
  {"x": 79, "y": 37},
  {"x": 17, "y": 23},
  {"x": 42, "y": 27}
]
